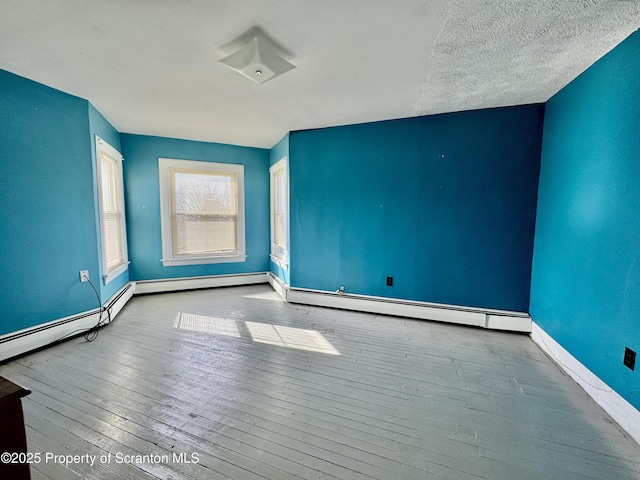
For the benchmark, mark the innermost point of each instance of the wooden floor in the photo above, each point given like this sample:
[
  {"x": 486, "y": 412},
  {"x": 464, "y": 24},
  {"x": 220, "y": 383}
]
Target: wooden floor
[{"x": 403, "y": 399}]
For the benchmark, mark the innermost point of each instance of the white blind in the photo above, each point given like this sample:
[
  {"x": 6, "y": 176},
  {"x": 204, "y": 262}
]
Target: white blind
[
  {"x": 204, "y": 212},
  {"x": 112, "y": 215},
  {"x": 279, "y": 209}
]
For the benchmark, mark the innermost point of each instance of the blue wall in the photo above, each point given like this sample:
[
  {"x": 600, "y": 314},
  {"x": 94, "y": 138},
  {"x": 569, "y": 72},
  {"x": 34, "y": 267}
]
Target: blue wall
[
  {"x": 279, "y": 150},
  {"x": 47, "y": 232},
  {"x": 277, "y": 153},
  {"x": 445, "y": 204},
  {"x": 586, "y": 270},
  {"x": 142, "y": 203},
  {"x": 98, "y": 125}
]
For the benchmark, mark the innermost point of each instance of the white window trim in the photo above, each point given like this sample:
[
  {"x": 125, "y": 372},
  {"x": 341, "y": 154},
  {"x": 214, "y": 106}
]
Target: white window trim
[
  {"x": 168, "y": 258},
  {"x": 279, "y": 258},
  {"x": 109, "y": 275}
]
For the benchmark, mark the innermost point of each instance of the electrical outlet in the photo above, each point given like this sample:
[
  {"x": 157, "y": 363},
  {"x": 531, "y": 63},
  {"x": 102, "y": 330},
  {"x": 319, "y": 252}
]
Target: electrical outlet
[
  {"x": 84, "y": 275},
  {"x": 629, "y": 358},
  {"x": 389, "y": 281}
]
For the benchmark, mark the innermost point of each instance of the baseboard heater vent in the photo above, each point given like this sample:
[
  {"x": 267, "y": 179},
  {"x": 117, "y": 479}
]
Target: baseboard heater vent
[
  {"x": 476, "y": 317},
  {"x": 23, "y": 341},
  {"x": 193, "y": 283},
  {"x": 39, "y": 336}
]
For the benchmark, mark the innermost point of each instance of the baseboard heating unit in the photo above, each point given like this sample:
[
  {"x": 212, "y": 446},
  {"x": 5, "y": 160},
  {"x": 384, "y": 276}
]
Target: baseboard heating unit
[
  {"x": 475, "y": 317},
  {"x": 32, "y": 338}
]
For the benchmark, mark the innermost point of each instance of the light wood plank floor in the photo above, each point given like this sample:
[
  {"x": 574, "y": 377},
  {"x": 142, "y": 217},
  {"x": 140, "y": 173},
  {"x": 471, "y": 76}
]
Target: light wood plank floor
[{"x": 404, "y": 399}]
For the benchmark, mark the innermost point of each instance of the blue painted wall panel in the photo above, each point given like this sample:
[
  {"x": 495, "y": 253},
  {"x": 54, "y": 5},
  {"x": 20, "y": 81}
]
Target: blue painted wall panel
[
  {"x": 279, "y": 150},
  {"x": 48, "y": 229},
  {"x": 142, "y": 198},
  {"x": 586, "y": 270},
  {"x": 445, "y": 204}
]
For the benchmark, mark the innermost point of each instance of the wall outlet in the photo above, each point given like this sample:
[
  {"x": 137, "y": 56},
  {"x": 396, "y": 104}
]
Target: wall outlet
[
  {"x": 84, "y": 275},
  {"x": 389, "y": 281},
  {"x": 629, "y": 358}
]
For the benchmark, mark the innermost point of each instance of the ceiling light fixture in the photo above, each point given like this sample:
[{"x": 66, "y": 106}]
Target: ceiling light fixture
[{"x": 258, "y": 58}]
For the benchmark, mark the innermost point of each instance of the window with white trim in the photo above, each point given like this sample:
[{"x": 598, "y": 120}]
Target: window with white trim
[
  {"x": 279, "y": 177},
  {"x": 113, "y": 234},
  {"x": 202, "y": 212}
]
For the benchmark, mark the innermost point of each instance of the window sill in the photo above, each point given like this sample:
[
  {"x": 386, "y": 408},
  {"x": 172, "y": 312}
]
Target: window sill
[
  {"x": 174, "y": 262},
  {"x": 116, "y": 272},
  {"x": 280, "y": 261}
]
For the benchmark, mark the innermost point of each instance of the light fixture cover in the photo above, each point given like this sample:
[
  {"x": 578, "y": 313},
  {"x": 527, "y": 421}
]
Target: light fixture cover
[{"x": 258, "y": 60}]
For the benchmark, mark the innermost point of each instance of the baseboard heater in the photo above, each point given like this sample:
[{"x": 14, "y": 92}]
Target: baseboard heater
[
  {"x": 33, "y": 338},
  {"x": 193, "y": 283},
  {"x": 39, "y": 336},
  {"x": 476, "y": 317}
]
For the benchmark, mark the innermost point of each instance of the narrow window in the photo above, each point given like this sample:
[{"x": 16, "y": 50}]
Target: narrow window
[
  {"x": 202, "y": 212},
  {"x": 113, "y": 236},
  {"x": 280, "y": 213}
]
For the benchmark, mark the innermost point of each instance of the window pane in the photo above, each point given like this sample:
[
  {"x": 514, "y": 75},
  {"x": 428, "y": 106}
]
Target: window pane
[
  {"x": 278, "y": 234},
  {"x": 279, "y": 212},
  {"x": 204, "y": 234},
  {"x": 109, "y": 190},
  {"x": 280, "y": 193},
  {"x": 204, "y": 212},
  {"x": 113, "y": 248},
  {"x": 112, "y": 217},
  {"x": 279, "y": 209}
]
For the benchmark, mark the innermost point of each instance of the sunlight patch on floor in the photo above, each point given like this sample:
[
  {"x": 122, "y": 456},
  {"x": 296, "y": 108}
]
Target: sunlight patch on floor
[
  {"x": 270, "y": 296},
  {"x": 300, "y": 339},
  {"x": 206, "y": 324}
]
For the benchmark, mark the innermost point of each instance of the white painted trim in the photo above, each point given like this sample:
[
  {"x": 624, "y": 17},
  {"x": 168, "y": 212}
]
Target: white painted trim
[
  {"x": 115, "y": 272},
  {"x": 277, "y": 284},
  {"x": 617, "y": 407},
  {"x": 110, "y": 151},
  {"x": 477, "y": 317},
  {"x": 280, "y": 258},
  {"x": 279, "y": 261},
  {"x": 23, "y": 341},
  {"x": 193, "y": 260},
  {"x": 165, "y": 166},
  {"x": 190, "y": 283},
  {"x": 38, "y": 336},
  {"x": 508, "y": 322}
]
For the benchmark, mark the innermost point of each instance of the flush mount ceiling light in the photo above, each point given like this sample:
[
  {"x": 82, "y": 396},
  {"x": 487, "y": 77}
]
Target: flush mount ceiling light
[{"x": 257, "y": 57}]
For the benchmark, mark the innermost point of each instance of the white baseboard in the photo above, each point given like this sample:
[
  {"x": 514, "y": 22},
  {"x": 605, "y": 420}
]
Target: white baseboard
[
  {"x": 477, "y": 317},
  {"x": 617, "y": 407},
  {"x": 277, "y": 284},
  {"x": 192, "y": 283},
  {"x": 32, "y": 338}
]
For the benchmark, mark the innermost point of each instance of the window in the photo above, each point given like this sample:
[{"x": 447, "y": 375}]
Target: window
[
  {"x": 202, "y": 212},
  {"x": 280, "y": 213},
  {"x": 113, "y": 237}
]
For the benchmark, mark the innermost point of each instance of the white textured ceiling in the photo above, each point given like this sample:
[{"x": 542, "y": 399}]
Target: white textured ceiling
[
  {"x": 513, "y": 52},
  {"x": 151, "y": 66}
]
